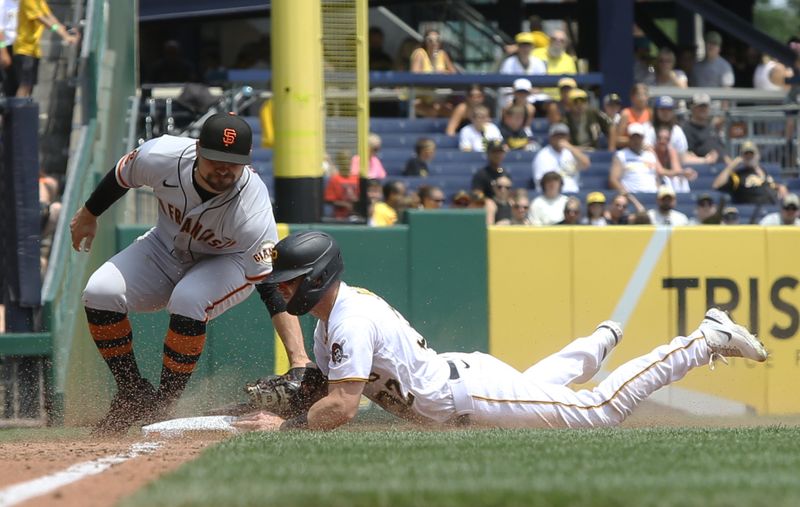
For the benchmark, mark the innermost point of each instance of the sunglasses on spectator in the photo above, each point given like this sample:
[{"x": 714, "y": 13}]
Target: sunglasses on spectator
[
  {"x": 791, "y": 207},
  {"x": 504, "y": 186},
  {"x": 705, "y": 204},
  {"x": 574, "y": 211},
  {"x": 520, "y": 206},
  {"x": 440, "y": 201}
]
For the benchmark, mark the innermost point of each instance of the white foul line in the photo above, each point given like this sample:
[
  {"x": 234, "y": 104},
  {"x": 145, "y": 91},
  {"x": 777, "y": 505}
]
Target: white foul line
[{"x": 17, "y": 493}]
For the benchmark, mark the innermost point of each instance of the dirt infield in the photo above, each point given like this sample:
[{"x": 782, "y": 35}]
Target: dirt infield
[{"x": 25, "y": 461}]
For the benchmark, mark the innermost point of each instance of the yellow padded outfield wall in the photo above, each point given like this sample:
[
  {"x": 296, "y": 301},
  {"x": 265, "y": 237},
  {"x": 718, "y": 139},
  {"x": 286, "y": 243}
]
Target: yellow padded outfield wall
[{"x": 549, "y": 286}]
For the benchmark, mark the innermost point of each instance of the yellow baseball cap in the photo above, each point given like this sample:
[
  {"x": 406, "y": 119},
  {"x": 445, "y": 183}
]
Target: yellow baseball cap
[
  {"x": 524, "y": 38},
  {"x": 595, "y": 198},
  {"x": 567, "y": 81},
  {"x": 577, "y": 93}
]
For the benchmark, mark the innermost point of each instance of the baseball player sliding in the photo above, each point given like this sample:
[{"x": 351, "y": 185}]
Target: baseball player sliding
[
  {"x": 211, "y": 245},
  {"x": 364, "y": 346}
]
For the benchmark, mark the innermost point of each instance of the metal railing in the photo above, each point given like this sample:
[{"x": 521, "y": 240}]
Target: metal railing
[{"x": 775, "y": 130}]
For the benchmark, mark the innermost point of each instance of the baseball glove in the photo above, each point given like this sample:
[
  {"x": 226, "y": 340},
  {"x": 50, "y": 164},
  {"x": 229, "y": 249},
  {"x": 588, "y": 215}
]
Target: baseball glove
[{"x": 290, "y": 394}]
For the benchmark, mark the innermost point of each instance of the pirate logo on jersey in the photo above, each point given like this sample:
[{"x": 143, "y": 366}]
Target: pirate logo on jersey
[
  {"x": 265, "y": 254},
  {"x": 337, "y": 353}
]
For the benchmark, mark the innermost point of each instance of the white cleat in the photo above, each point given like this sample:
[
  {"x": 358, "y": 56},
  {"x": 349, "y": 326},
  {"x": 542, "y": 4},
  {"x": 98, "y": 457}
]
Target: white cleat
[
  {"x": 725, "y": 338},
  {"x": 614, "y": 334}
]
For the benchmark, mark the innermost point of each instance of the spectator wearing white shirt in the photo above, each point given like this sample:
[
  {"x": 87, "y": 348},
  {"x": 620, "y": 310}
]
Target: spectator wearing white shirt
[
  {"x": 474, "y": 136},
  {"x": 788, "y": 214},
  {"x": 8, "y": 34},
  {"x": 562, "y": 157},
  {"x": 634, "y": 169},
  {"x": 523, "y": 62},
  {"x": 548, "y": 208},
  {"x": 665, "y": 213}
]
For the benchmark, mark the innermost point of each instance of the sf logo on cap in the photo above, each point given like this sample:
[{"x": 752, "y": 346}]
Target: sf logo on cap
[{"x": 228, "y": 136}]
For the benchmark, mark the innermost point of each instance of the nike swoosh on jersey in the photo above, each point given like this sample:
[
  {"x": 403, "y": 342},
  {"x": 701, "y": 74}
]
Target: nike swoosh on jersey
[{"x": 167, "y": 184}]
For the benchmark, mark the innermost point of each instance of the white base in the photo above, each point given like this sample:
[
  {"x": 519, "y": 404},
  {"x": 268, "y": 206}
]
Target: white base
[{"x": 177, "y": 427}]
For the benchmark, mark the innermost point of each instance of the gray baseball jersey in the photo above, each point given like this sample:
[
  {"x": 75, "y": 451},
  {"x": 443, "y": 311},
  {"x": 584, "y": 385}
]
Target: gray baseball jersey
[{"x": 201, "y": 258}]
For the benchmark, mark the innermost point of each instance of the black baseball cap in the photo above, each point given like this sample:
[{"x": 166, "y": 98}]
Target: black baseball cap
[{"x": 226, "y": 137}]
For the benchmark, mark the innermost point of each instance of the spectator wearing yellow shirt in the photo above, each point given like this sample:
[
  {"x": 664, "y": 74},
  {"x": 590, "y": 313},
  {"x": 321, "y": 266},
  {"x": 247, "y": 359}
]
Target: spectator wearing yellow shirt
[
  {"x": 385, "y": 213},
  {"x": 556, "y": 58},
  {"x": 33, "y": 17}
]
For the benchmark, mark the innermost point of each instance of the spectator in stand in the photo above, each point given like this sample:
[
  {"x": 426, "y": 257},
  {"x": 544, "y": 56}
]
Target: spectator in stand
[
  {"x": 771, "y": 75},
  {"x": 430, "y": 58},
  {"x": 341, "y": 192},
  {"x": 705, "y": 211},
  {"x": 668, "y": 157},
  {"x": 617, "y": 213},
  {"x": 463, "y": 111},
  {"x": 375, "y": 171},
  {"x": 643, "y": 62},
  {"x": 665, "y": 213},
  {"x": 572, "y": 212},
  {"x": 520, "y": 204},
  {"x": 556, "y": 58},
  {"x": 746, "y": 181},
  {"x": 665, "y": 73},
  {"x": 730, "y": 216},
  {"x": 548, "y": 208},
  {"x": 386, "y": 212},
  {"x": 483, "y": 178},
  {"x": 477, "y": 200},
  {"x": 561, "y": 157},
  {"x": 557, "y": 111},
  {"x": 477, "y": 134},
  {"x": 702, "y": 138},
  {"x": 612, "y": 107},
  {"x": 635, "y": 169},
  {"x": 664, "y": 117},
  {"x": 713, "y": 70},
  {"x": 378, "y": 59},
  {"x": 8, "y": 34},
  {"x": 595, "y": 209},
  {"x": 460, "y": 200},
  {"x": 788, "y": 214},
  {"x": 586, "y": 123},
  {"x": 523, "y": 62},
  {"x": 498, "y": 207},
  {"x": 425, "y": 150},
  {"x": 522, "y": 91},
  {"x": 33, "y": 16},
  {"x": 638, "y": 112},
  {"x": 687, "y": 57},
  {"x": 50, "y": 209},
  {"x": 430, "y": 197},
  {"x": 402, "y": 60},
  {"x": 515, "y": 134}
]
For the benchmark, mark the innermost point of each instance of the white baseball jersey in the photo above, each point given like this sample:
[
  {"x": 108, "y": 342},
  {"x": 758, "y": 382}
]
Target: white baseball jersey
[
  {"x": 238, "y": 221},
  {"x": 366, "y": 340},
  {"x": 201, "y": 258}
]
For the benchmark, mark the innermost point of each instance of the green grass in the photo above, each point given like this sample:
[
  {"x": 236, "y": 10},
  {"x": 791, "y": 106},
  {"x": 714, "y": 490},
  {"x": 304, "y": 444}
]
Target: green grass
[{"x": 615, "y": 467}]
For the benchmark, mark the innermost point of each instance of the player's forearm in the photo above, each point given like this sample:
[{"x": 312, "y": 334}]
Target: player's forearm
[
  {"x": 330, "y": 412},
  {"x": 108, "y": 192},
  {"x": 288, "y": 328}
]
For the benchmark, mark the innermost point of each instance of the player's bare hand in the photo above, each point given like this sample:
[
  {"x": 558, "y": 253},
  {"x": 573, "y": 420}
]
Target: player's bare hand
[
  {"x": 260, "y": 421},
  {"x": 83, "y": 228}
]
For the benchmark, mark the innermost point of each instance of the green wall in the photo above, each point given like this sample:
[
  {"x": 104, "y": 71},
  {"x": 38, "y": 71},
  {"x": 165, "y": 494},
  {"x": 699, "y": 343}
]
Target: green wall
[{"x": 432, "y": 270}]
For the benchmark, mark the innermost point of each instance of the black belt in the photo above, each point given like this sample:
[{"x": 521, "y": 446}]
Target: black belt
[{"x": 453, "y": 371}]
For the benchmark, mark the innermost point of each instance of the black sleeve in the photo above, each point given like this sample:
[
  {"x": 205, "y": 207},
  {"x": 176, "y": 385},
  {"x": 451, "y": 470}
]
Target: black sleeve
[
  {"x": 271, "y": 297},
  {"x": 107, "y": 193}
]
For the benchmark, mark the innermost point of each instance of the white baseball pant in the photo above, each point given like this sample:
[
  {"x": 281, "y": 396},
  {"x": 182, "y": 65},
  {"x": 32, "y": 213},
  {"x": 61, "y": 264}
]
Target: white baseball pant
[
  {"x": 501, "y": 396},
  {"x": 146, "y": 277}
]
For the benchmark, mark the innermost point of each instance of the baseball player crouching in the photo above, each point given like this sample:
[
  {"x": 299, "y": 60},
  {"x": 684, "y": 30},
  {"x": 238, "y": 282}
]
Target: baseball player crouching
[
  {"x": 364, "y": 346},
  {"x": 211, "y": 245}
]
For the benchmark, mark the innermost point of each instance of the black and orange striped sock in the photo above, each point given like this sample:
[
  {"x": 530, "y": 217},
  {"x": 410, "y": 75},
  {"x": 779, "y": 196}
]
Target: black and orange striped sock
[
  {"x": 182, "y": 348},
  {"x": 113, "y": 337}
]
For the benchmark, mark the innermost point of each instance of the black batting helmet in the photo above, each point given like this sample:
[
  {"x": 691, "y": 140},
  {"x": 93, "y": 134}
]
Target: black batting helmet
[{"x": 315, "y": 257}]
